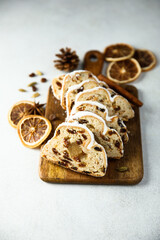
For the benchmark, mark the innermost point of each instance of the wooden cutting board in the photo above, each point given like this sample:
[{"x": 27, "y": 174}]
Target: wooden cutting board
[{"x": 132, "y": 159}]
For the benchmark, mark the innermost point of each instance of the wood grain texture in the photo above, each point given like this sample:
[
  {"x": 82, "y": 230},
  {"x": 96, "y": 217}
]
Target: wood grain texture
[
  {"x": 93, "y": 61},
  {"x": 132, "y": 158}
]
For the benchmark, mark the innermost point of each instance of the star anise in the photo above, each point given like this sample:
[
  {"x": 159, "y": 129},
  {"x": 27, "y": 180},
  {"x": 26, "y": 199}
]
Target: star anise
[{"x": 37, "y": 109}]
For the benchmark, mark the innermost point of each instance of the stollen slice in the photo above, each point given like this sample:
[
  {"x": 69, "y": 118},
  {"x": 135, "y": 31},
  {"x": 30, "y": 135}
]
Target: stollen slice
[
  {"x": 75, "y": 89},
  {"x": 116, "y": 105},
  {"x": 74, "y": 78},
  {"x": 107, "y": 137},
  {"x": 73, "y": 146},
  {"x": 112, "y": 122},
  {"x": 57, "y": 86}
]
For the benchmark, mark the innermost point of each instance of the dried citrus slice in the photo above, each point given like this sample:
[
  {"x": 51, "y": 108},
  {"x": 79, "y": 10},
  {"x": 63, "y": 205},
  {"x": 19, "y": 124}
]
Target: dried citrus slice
[
  {"x": 124, "y": 71},
  {"x": 33, "y": 130},
  {"x": 23, "y": 108},
  {"x": 118, "y": 52},
  {"x": 18, "y": 111},
  {"x": 146, "y": 59}
]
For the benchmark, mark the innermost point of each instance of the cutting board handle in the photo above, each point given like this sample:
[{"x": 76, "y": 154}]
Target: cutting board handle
[{"x": 93, "y": 61}]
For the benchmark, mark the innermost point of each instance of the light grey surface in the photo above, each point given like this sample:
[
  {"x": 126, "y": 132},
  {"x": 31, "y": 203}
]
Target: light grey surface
[{"x": 31, "y": 32}]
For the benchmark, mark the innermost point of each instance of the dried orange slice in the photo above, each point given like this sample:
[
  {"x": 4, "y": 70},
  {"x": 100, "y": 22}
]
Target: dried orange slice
[
  {"x": 23, "y": 108},
  {"x": 18, "y": 111},
  {"x": 124, "y": 71},
  {"x": 146, "y": 59},
  {"x": 118, "y": 52},
  {"x": 33, "y": 130}
]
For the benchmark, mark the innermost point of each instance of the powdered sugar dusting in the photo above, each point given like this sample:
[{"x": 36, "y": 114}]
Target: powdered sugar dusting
[{"x": 85, "y": 113}]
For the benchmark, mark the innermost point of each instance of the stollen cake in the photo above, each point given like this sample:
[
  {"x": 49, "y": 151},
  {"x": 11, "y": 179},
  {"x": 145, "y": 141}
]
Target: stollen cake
[
  {"x": 116, "y": 105},
  {"x": 108, "y": 138},
  {"x": 112, "y": 122},
  {"x": 75, "y": 89},
  {"x": 74, "y": 78},
  {"x": 73, "y": 146},
  {"x": 57, "y": 86}
]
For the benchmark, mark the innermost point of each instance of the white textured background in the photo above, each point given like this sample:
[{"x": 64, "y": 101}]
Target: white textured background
[{"x": 31, "y": 32}]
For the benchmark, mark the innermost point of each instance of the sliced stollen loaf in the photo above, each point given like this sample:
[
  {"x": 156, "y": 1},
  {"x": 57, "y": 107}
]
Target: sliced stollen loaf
[
  {"x": 73, "y": 146},
  {"x": 75, "y": 89},
  {"x": 107, "y": 137},
  {"x": 116, "y": 105},
  {"x": 57, "y": 86},
  {"x": 112, "y": 122},
  {"x": 74, "y": 78}
]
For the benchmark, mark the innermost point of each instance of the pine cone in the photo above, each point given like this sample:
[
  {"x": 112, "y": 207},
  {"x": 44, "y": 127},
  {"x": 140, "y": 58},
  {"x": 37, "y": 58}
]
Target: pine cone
[{"x": 68, "y": 60}]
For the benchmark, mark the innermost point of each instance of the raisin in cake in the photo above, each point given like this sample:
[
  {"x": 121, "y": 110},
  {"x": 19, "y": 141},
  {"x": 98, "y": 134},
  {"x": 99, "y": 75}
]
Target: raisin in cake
[
  {"x": 75, "y": 89},
  {"x": 116, "y": 105},
  {"x": 73, "y": 146},
  {"x": 74, "y": 78},
  {"x": 108, "y": 138},
  {"x": 112, "y": 122},
  {"x": 57, "y": 86}
]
